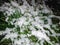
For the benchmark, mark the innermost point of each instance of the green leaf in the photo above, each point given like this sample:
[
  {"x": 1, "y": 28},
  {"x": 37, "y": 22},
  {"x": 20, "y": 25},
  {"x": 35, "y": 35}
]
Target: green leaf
[
  {"x": 54, "y": 38},
  {"x": 3, "y": 23},
  {"x": 6, "y": 42},
  {"x": 46, "y": 43},
  {"x": 33, "y": 38},
  {"x": 27, "y": 31},
  {"x": 55, "y": 20}
]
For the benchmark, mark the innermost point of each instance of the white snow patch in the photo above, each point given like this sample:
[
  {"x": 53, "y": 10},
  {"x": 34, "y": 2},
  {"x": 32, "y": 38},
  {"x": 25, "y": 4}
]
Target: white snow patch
[{"x": 40, "y": 35}]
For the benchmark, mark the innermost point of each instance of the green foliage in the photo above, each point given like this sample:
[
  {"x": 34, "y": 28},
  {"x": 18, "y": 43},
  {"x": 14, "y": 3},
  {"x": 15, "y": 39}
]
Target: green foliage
[
  {"x": 45, "y": 21},
  {"x": 15, "y": 15},
  {"x": 2, "y": 36},
  {"x": 2, "y": 21},
  {"x": 58, "y": 38},
  {"x": 33, "y": 38},
  {"x": 54, "y": 38},
  {"x": 56, "y": 28},
  {"x": 27, "y": 31},
  {"x": 46, "y": 43},
  {"x": 6, "y": 42},
  {"x": 3, "y": 26},
  {"x": 36, "y": 28},
  {"x": 55, "y": 20},
  {"x": 18, "y": 37},
  {"x": 47, "y": 30},
  {"x": 43, "y": 14},
  {"x": 18, "y": 30},
  {"x": 2, "y": 15},
  {"x": 10, "y": 25}
]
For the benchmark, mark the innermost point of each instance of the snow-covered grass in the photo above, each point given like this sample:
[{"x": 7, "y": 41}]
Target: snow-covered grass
[{"x": 31, "y": 27}]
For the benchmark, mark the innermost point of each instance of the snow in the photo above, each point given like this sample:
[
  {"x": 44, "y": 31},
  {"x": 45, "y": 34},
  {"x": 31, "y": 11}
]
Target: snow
[
  {"x": 20, "y": 21},
  {"x": 28, "y": 12},
  {"x": 40, "y": 35}
]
